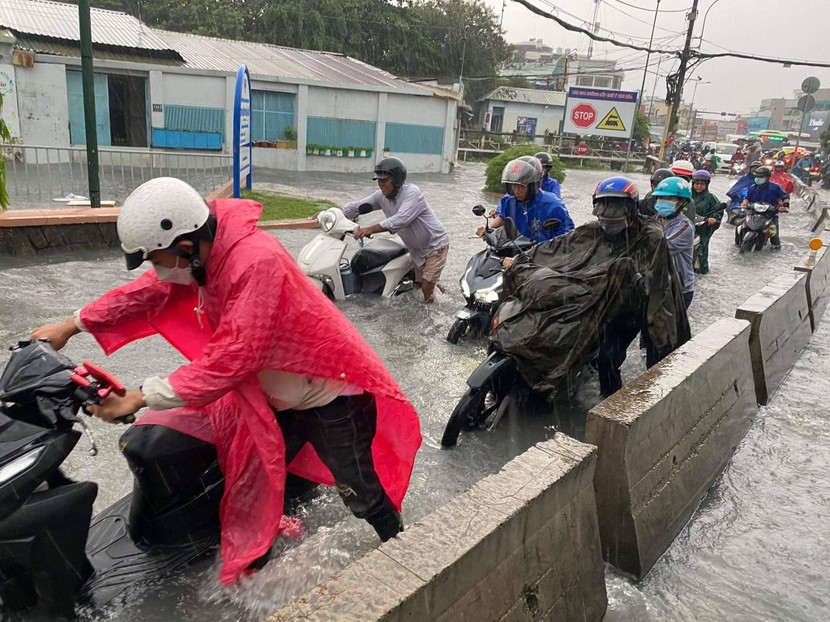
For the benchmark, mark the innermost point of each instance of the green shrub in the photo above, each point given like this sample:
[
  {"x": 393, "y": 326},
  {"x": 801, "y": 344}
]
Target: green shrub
[{"x": 492, "y": 176}]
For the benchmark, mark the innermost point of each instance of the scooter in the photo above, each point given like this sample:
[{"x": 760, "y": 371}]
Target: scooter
[
  {"x": 481, "y": 283},
  {"x": 381, "y": 266},
  {"x": 757, "y": 227},
  {"x": 496, "y": 387},
  {"x": 53, "y": 553}
]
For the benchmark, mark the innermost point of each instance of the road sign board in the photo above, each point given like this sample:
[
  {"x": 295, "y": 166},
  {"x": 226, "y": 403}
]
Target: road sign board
[
  {"x": 583, "y": 115},
  {"x": 600, "y": 112},
  {"x": 806, "y": 103},
  {"x": 242, "y": 152},
  {"x": 810, "y": 85}
]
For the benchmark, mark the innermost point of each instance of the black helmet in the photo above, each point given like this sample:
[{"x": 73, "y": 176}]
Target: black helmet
[
  {"x": 763, "y": 171},
  {"x": 660, "y": 174},
  {"x": 391, "y": 167},
  {"x": 521, "y": 172},
  {"x": 544, "y": 158}
]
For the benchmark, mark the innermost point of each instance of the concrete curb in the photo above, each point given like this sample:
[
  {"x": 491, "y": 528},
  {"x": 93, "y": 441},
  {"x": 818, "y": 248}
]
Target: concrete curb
[
  {"x": 664, "y": 438},
  {"x": 817, "y": 267},
  {"x": 781, "y": 328},
  {"x": 521, "y": 544}
]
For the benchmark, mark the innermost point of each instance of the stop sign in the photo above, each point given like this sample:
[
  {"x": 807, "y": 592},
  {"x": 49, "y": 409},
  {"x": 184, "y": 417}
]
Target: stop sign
[
  {"x": 583, "y": 115},
  {"x": 582, "y": 149}
]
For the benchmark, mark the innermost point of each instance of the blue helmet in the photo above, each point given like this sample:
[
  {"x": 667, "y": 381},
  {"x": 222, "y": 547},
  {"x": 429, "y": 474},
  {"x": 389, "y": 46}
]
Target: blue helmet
[
  {"x": 673, "y": 187},
  {"x": 620, "y": 187},
  {"x": 702, "y": 175}
]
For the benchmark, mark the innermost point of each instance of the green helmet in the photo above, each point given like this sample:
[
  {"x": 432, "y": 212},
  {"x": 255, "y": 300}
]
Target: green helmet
[{"x": 673, "y": 187}]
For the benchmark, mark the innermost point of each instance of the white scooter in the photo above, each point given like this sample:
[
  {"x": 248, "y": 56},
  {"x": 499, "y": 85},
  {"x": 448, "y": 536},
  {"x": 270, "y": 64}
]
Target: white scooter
[{"x": 381, "y": 266}]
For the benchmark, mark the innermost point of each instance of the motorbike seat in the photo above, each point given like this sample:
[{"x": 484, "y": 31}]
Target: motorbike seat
[{"x": 378, "y": 253}]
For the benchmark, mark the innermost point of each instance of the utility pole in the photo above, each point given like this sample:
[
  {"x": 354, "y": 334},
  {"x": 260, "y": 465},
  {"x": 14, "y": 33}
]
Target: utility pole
[
  {"x": 501, "y": 20},
  {"x": 641, "y": 96},
  {"x": 594, "y": 27},
  {"x": 671, "y": 121},
  {"x": 88, "y": 80}
]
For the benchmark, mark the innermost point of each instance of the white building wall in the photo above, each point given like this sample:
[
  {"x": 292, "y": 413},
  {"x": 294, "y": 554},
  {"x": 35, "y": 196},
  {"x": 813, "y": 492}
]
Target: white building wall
[
  {"x": 415, "y": 110},
  {"x": 342, "y": 104},
  {"x": 186, "y": 90},
  {"x": 42, "y": 105},
  {"x": 547, "y": 117}
]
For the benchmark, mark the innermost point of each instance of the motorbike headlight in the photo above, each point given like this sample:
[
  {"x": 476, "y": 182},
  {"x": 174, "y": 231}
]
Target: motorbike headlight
[
  {"x": 18, "y": 465},
  {"x": 327, "y": 221},
  {"x": 490, "y": 294}
]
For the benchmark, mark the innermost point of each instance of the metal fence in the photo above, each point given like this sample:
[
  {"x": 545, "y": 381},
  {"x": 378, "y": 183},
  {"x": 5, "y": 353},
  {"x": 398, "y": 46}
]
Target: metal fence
[{"x": 36, "y": 174}]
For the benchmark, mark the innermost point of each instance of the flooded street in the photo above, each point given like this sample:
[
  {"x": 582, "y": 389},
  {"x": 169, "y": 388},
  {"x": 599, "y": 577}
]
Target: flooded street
[{"x": 753, "y": 551}]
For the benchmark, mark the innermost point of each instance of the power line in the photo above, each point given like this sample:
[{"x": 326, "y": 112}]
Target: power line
[
  {"x": 696, "y": 54},
  {"x": 642, "y": 8}
]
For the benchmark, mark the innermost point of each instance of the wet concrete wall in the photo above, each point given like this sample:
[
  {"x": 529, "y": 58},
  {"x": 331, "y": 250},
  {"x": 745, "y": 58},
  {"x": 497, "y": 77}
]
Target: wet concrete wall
[
  {"x": 780, "y": 319},
  {"x": 522, "y": 544},
  {"x": 817, "y": 268},
  {"x": 664, "y": 438},
  {"x": 28, "y": 240}
]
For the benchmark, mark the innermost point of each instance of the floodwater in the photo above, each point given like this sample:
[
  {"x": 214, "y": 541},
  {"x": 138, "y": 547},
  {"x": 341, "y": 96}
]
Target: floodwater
[{"x": 756, "y": 549}]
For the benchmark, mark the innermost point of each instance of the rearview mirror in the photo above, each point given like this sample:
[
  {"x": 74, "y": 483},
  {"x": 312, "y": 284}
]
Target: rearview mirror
[
  {"x": 510, "y": 229},
  {"x": 479, "y": 210},
  {"x": 365, "y": 208},
  {"x": 551, "y": 224}
]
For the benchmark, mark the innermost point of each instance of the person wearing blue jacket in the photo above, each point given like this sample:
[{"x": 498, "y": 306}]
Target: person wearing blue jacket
[
  {"x": 765, "y": 191},
  {"x": 737, "y": 192},
  {"x": 528, "y": 205},
  {"x": 549, "y": 184}
]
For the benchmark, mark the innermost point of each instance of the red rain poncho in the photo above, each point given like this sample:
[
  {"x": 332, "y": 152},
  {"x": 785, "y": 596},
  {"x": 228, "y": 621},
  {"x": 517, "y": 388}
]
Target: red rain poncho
[{"x": 260, "y": 312}]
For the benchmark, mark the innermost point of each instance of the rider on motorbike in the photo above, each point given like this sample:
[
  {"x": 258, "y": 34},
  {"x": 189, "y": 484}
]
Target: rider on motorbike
[
  {"x": 263, "y": 381},
  {"x": 765, "y": 191},
  {"x": 780, "y": 177},
  {"x": 685, "y": 169},
  {"x": 710, "y": 208},
  {"x": 738, "y": 190},
  {"x": 673, "y": 194},
  {"x": 656, "y": 304},
  {"x": 549, "y": 184},
  {"x": 528, "y": 205},
  {"x": 409, "y": 215}
]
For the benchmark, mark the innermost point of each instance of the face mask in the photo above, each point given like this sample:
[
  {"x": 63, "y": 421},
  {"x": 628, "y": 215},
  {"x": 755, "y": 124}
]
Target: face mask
[
  {"x": 180, "y": 276},
  {"x": 612, "y": 226},
  {"x": 760, "y": 180},
  {"x": 665, "y": 208}
]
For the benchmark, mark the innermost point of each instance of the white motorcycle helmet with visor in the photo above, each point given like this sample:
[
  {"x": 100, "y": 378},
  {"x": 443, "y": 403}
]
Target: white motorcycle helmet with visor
[{"x": 155, "y": 214}]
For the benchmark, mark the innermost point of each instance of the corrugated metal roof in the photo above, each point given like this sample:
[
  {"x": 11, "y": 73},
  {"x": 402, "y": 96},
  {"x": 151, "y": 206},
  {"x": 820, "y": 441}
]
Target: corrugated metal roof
[
  {"x": 274, "y": 61},
  {"x": 527, "y": 96},
  {"x": 58, "y": 20},
  {"x": 72, "y": 49}
]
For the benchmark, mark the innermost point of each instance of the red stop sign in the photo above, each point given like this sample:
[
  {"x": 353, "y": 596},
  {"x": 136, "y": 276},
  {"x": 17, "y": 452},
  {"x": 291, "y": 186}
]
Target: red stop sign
[
  {"x": 582, "y": 149},
  {"x": 583, "y": 115}
]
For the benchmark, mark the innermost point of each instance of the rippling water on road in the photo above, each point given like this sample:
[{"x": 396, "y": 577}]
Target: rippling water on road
[{"x": 753, "y": 551}]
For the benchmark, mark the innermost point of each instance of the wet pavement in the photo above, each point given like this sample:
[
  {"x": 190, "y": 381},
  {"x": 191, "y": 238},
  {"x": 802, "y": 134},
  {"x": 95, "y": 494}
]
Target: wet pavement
[{"x": 752, "y": 551}]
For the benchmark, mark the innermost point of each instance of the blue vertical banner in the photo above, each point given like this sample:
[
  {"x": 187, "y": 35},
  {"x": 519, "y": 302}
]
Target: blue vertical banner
[{"x": 242, "y": 151}]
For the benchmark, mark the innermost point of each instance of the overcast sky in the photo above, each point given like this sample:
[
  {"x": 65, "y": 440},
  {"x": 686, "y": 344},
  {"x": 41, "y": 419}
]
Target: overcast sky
[{"x": 795, "y": 29}]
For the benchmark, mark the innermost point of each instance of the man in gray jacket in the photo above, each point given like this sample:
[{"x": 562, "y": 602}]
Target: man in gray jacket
[{"x": 409, "y": 215}]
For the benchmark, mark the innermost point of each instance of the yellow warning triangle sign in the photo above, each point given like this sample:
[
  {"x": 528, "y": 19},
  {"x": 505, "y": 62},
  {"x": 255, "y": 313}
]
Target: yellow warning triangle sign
[{"x": 611, "y": 121}]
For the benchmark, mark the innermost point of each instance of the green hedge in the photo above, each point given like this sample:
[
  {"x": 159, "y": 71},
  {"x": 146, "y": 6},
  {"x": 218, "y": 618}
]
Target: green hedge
[{"x": 492, "y": 175}]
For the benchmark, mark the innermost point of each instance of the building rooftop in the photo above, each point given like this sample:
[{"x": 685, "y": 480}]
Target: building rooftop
[
  {"x": 526, "y": 96},
  {"x": 59, "y": 20},
  {"x": 262, "y": 59}
]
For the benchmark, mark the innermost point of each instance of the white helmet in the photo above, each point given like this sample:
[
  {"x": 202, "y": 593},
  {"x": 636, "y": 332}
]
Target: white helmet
[{"x": 155, "y": 214}]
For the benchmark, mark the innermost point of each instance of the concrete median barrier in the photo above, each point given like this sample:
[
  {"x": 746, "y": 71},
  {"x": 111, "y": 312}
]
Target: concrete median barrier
[
  {"x": 780, "y": 319},
  {"x": 519, "y": 545},
  {"x": 664, "y": 438},
  {"x": 817, "y": 268}
]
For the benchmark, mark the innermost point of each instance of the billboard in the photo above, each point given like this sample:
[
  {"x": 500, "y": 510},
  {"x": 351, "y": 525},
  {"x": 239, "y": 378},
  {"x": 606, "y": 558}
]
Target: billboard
[
  {"x": 600, "y": 112},
  {"x": 817, "y": 124}
]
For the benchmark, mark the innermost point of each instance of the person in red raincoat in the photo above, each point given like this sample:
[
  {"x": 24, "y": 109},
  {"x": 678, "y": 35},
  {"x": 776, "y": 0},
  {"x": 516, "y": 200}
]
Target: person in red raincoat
[
  {"x": 261, "y": 339},
  {"x": 782, "y": 178}
]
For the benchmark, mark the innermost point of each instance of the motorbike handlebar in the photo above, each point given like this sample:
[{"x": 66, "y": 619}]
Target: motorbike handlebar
[{"x": 97, "y": 384}]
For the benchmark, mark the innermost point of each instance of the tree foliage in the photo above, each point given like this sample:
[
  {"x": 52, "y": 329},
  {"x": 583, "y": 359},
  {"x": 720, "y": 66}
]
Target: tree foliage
[
  {"x": 409, "y": 38},
  {"x": 642, "y": 128},
  {"x": 495, "y": 167}
]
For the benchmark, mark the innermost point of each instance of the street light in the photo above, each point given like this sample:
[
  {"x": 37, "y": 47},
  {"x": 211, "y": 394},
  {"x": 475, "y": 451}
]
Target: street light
[
  {"x": 703, "y": 27},
  {"x": 698, "y": 82}
]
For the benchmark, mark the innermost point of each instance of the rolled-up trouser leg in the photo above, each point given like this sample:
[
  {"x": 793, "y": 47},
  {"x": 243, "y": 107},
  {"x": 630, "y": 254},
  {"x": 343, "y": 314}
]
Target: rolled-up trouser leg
[{"x": 342, "y": 433}]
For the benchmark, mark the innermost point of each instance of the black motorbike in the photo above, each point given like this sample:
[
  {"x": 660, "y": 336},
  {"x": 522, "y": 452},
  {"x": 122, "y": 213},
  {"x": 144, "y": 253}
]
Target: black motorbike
[
  {"x": 757, "y": 227},
  {"x": 481, "y": 283},
  {"x": 53, "y": 553}
]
